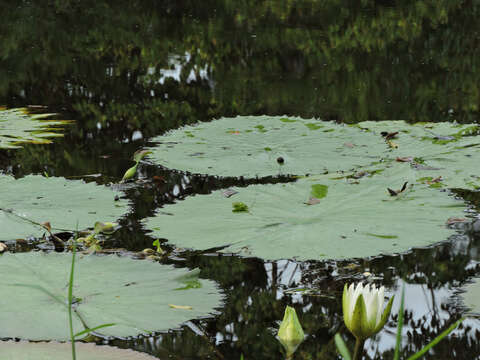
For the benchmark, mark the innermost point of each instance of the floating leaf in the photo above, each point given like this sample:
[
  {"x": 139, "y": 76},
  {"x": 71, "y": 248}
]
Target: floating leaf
[
  {"x": 60, "y": 351},
  {"x": 281, "y": 226},
  {"x": 471, "y": 296},
  {"x": 245, "y": 154},
  {"x": 315, "y": 152},
  {"x": 134, "y": 294},
  {"x": 27, "y": 202},
  {"x": 19, "y": 126}
]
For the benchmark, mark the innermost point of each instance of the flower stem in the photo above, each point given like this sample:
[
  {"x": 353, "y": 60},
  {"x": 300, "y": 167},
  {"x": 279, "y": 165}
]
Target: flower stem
[{"x": 358, "y": 352}]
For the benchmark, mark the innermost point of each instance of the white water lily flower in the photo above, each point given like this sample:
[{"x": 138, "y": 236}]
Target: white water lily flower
[{"x": 363, "y": 312}]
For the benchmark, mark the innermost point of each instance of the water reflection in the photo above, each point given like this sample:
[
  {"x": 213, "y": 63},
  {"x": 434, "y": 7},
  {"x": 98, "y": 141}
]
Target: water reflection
[{"x": 127, "y": 71}]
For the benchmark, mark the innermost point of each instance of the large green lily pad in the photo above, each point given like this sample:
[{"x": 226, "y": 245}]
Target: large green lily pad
[
  {"x": 66, "y": 204},
  {"x": 18, "y": 126},
  {"x": 471, "y": 296},
  {"x": 355, "y": 218},
  {"x": 134, "y": 294},
  {"x": 250, "y": 146},
  {"x": 10, "y": 350}
]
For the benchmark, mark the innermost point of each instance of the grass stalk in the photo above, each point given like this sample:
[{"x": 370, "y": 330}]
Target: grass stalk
[{"x": 70, "y": 298}]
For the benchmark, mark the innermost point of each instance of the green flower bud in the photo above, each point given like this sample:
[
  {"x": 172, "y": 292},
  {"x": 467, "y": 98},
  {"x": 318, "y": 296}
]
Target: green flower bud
[
  {"x": 130, "y": 173},
  {"x": 290, "y": 333}
]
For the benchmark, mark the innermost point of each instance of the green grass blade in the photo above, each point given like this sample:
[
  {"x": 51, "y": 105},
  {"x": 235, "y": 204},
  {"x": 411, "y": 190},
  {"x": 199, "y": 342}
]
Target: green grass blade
[
  {"x": 398, "y": 345},
  {"x": 86, "y": 331},
  {"x": 342, "y": 347},
  {"x": 435, "y": 341},
  {"x": 70, "y": 298}
]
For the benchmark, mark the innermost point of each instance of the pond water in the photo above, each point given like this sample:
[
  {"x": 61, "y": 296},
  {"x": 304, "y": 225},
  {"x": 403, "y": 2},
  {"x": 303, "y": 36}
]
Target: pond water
[{"x": 127, "y": 71}]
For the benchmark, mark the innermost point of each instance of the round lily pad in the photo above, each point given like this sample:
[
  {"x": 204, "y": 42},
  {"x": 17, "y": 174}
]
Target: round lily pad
[
  {"x": 355, "y": 216},
  {"x": 66, "y": 204},
  {"x": 139, "y": 296},
  {"x": 18, "y": 126},
  {"x": 10, "y": 350},
  {"x": 265, "y": 145}
]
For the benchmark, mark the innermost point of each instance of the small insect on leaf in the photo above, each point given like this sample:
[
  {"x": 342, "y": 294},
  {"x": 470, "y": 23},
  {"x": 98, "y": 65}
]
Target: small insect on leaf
[
  {"x": 396, "y": 192},
  {"x": 239, "y": 207},
  {"x": 389, "y": 135},
  {"x": 130, "y": 173},
  {"x": 140, "y": 154},
  {"x": 182, "y": 307}
]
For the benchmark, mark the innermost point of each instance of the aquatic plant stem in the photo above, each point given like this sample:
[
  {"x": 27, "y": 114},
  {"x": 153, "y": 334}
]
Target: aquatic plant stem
[
  {"x": 70, "y": 298},
  {"x": 357, "y": 353}
]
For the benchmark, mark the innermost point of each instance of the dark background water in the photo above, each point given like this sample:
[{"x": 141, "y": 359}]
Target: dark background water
[{"x": 129, "y": 70}]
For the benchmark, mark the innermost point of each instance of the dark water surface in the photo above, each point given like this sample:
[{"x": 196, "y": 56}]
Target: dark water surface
[{"x": 129, "y": 70}]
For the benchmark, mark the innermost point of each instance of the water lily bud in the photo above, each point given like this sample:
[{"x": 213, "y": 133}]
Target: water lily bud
[
  {"x": 130, "y": 173},
  {"x": 290, "y": 333},
  {"x": 363, "y": 312}
]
